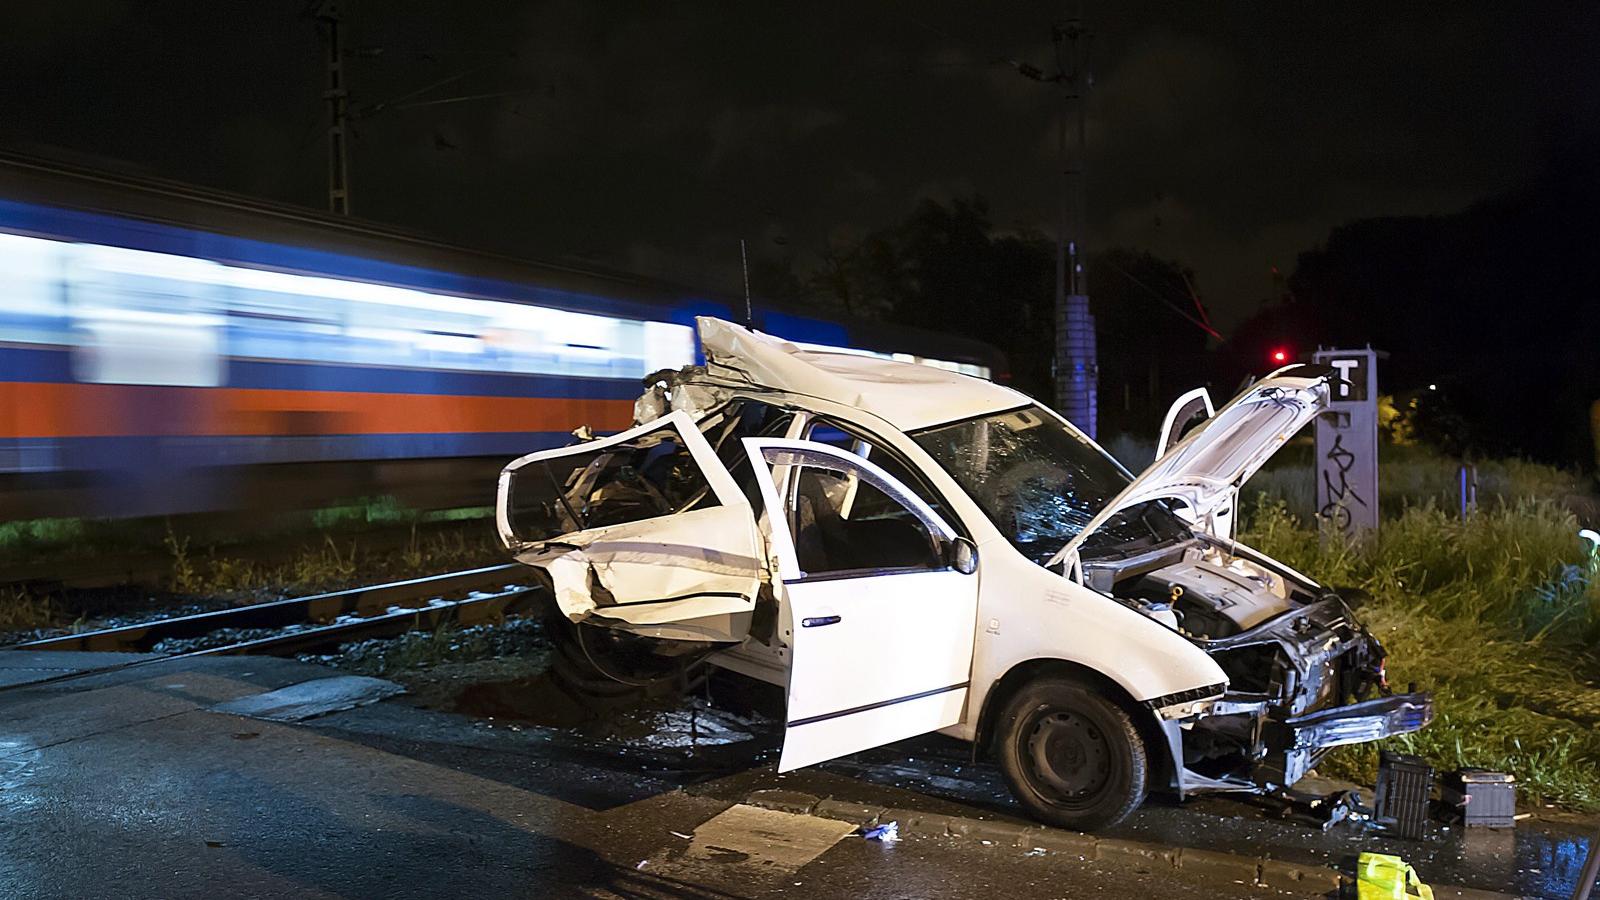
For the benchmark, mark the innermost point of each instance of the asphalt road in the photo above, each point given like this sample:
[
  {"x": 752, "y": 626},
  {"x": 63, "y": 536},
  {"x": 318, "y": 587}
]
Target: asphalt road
[{"x": 129, "y": 784}]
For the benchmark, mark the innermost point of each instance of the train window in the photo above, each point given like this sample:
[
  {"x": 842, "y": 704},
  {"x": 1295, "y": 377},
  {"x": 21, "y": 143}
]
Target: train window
[
  {"x": 143, "y": 318},
  {"x": 386, "y": 325},
  {"x": 30, "y": 278}
]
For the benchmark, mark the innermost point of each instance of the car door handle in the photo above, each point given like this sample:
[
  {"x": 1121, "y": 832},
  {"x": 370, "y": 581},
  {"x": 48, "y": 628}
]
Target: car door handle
[{"x": 819, "y": 621}]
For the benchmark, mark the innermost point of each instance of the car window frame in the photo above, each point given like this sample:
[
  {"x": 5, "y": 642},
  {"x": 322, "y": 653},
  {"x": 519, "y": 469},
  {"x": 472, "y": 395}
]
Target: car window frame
[
  {"x": 942, "y": 507},
  {"x": 788, "y": 569}
]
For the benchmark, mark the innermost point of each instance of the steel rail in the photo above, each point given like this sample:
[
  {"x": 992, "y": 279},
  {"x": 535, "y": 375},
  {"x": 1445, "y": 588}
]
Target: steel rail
[
  {"x": 362, "y": 617},
  {"x": 376, "y": 609},
  {"x": 475, "y": 610}
]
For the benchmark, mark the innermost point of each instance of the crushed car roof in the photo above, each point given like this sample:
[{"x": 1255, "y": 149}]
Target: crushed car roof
[{"x": 907, "y": 395}]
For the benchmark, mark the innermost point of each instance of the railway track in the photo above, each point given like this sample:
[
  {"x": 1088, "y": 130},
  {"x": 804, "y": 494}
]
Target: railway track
[{"x": 303, "y": 624}]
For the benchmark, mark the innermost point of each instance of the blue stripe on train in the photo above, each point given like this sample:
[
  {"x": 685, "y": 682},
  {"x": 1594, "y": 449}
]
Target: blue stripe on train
[
  {"x": 55, "y": 366},
  {"x": 35, "y": 364},
  {"x": 165, "y": 454},
  {"x": 319, "y": 377}
]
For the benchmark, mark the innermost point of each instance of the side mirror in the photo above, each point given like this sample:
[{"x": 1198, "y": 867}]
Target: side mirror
[{"x": 963, "y": 555}]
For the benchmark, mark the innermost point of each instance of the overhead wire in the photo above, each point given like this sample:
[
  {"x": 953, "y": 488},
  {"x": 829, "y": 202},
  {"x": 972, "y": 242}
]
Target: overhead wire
[{"x": 1203, "y": 326}]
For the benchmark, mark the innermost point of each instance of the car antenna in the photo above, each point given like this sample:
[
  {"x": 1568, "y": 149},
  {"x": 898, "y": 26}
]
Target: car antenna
[{"x": 744, "y": 263}]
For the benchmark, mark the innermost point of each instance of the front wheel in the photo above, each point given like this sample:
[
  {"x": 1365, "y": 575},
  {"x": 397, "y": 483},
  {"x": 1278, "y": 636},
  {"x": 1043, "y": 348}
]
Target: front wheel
[{"x": 1070, "y": 756}]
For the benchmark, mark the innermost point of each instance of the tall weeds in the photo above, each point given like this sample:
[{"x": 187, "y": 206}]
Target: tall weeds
[
  {"x": 1497, "y": 614},
  {"x": 1518, "y": 568}
]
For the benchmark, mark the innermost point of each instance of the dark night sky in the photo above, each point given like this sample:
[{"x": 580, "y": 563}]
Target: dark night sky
[{"x": 654, "y": 135}]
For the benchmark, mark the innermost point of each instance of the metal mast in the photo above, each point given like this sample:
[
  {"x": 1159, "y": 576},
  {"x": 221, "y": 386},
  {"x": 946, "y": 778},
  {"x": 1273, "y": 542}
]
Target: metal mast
[
  {"x": 1076, "y": 355},
  {"x": 337, "y": 99}
]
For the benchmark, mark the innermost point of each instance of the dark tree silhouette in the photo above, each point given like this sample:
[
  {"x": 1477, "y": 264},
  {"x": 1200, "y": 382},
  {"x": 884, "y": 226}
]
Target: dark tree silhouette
[
  {"x": 947, "y": 267},
  {"x": 1494, "y": 305}
]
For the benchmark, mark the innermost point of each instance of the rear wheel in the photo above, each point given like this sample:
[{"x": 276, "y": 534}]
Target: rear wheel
[
  {"x": 598, "y": 662},
  {"x": 1070, "y": 756}
]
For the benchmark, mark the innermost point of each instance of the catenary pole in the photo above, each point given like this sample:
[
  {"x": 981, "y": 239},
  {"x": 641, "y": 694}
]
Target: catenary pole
[{"x": 338, "y": 102}]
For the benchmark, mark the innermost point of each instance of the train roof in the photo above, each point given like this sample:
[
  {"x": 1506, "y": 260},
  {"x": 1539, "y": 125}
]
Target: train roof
[{"x": 285, "y": 236}]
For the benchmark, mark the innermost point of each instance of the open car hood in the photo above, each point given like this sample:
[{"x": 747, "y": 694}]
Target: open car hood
[{"x": 1204, "y": 470}]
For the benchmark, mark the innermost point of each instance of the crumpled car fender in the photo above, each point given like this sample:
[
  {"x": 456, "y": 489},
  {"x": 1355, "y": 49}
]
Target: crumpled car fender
[{"x": 689, "y": 566}]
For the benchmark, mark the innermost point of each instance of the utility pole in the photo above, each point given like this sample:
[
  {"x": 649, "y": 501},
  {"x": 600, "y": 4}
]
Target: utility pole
[
  {"x": 342, "y": 116},
  {"x": 1077, "y": 357},
  {"x": 338, "y": 101},
  {"x": 1076, "y": 370}
]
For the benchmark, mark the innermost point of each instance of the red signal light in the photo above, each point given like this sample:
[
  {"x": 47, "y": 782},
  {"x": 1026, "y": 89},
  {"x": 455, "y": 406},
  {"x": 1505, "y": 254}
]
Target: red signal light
[{"x": 1280, "y": 356}]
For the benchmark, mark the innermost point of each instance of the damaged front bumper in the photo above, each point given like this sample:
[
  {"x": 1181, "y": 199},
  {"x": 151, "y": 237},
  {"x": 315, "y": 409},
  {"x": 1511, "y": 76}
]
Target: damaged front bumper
[
  {"x": 1357, "y": 723},
  {"x": 1298, "y": 687},
  {"x": 1282, "y": 750}
]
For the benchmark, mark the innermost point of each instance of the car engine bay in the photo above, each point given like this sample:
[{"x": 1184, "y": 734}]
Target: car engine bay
[
  {"x": 1289, "y": 648},
  {"x": 1197, "y": 589}
]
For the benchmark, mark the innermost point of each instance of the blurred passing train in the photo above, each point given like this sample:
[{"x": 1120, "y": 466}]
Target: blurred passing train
[{"x": 165, "y": 349}]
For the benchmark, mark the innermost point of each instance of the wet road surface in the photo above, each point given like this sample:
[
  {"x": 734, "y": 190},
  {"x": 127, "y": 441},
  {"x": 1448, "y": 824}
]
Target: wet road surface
[
  {"x": 128, "y": 783},
  {"x": 731, "y": 731}
]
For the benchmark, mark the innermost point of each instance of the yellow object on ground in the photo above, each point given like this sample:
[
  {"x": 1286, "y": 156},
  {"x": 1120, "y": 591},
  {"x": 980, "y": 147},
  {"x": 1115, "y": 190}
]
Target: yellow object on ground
[{"x": 1380, "y": 876}]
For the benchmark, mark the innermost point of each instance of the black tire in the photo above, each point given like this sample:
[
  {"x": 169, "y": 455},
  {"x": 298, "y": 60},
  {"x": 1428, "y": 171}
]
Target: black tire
[{"x": 1071, "y": 757}]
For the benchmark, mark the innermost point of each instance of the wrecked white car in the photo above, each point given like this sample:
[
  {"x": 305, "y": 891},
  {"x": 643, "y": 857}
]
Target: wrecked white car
[{"x": 908, "y": 550}]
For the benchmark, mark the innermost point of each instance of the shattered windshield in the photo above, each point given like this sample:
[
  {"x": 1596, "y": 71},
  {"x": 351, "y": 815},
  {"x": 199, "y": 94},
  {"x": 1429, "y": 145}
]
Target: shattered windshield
[{"x": 1040, "y": 482}]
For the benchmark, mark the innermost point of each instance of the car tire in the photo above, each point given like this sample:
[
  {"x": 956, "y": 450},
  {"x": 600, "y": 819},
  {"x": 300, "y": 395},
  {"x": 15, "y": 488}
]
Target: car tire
[{"x": 1071, "y": 757}]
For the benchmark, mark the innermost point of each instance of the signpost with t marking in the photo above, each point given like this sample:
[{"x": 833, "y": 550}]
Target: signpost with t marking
[{"x": 1347, "y": 443}]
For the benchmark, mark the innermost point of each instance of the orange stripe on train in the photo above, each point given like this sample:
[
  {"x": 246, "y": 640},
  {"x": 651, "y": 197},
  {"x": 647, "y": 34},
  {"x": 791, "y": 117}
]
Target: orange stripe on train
[{"x": 45, "y": 410}]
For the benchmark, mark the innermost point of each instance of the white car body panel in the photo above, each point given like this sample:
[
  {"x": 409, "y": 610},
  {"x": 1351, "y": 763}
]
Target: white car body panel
[
  {"x": 894, "y": 665},
  {"x": 908, "y": 396},
  {"x": 1182, "y": 410},
  {"x": 708, "y": 556},
  {"x": 693, "y": 575},
  {"x": 1028, "y": 613},
  {"x": 1220, "y": 522}
]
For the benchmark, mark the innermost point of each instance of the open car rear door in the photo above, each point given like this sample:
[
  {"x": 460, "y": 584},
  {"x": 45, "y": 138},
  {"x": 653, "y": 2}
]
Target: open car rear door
[
  {"x": 645, "y": 531},
  {"x": 1187, "y": 413},
  {"x": 1183, "y": 415},
  {"x": 879, "y": 598}
]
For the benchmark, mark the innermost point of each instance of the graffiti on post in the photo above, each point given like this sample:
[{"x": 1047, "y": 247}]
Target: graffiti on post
[{"x": 1341, "y": 495}]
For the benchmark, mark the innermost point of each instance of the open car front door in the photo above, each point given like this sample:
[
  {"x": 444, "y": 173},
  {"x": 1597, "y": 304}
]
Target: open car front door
[
  {"x": 645, "y": 531},
  {"x": 879, "y": 597}
]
